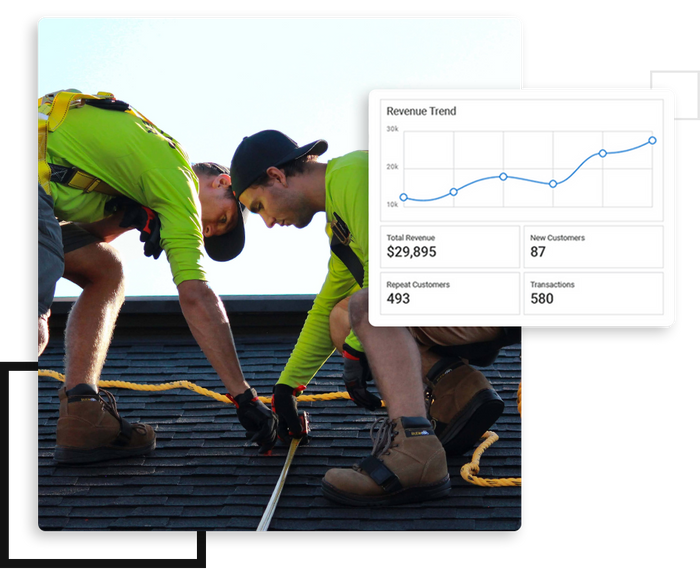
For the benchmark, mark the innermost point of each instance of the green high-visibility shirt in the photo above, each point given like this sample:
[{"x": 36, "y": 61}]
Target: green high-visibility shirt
[
  {"x": 347, "y": 189},
  {"x": 142, "y": 163}
]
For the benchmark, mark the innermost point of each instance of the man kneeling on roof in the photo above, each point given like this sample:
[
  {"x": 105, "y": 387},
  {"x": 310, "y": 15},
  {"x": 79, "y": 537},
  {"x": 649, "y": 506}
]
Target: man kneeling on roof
[
  {"x": 107, "y": 169},
  {"x": 285, "y": 184}
]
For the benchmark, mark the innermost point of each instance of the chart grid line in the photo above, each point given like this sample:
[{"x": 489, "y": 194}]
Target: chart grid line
[{"x": 503, "y": 176}]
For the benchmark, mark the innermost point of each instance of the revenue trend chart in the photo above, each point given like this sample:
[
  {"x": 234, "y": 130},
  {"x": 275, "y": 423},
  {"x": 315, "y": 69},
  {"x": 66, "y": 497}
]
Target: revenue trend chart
[
  {"x": 503, "y": 176},
  {"x": 521, "y": 207}
]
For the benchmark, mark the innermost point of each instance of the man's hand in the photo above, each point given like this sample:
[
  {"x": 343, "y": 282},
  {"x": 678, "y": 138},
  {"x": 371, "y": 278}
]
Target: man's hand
[
  {"x": 284, "y": 403},
  {"x": 356, "y": 374},
  {"x": 147, "y": 222},
  {"x": 259, "y": 422},
  {"x": 142, "y": 218}
]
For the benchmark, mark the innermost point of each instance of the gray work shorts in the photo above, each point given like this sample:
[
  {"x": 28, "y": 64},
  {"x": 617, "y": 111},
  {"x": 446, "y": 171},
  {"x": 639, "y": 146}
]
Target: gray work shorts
[{"x": 55, "y": 240}]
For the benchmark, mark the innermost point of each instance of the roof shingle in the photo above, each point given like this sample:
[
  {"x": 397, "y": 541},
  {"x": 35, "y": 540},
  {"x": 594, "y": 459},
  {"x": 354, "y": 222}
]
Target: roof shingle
[{"x": 204, "y": 475}]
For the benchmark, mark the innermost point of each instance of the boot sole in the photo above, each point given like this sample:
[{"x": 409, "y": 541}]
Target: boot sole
[
  {"x": 66, "y": 455},
  {"x": 404, "y": 496},
  {"x": 474, "y": 420}
]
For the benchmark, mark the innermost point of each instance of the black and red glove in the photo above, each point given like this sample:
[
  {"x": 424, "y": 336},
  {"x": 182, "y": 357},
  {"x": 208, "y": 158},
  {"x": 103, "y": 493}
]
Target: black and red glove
[
  {"x": 258, "y": 421},
  {"x": 147, "y": 222},
  {"x": 142, "y": 218},
  {"x": 284, "y": 403},
  {"x": 356, "y": 375}
]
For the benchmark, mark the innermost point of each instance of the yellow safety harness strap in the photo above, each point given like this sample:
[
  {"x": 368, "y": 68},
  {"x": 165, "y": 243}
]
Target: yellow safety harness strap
[
  {"x": 84, "y": 181},
  {"x": 52, "y": 112},
  {"x": 76, "y": 178},
  {"x": 53, "y": 109},
  {"x": 44, "y": 168}
]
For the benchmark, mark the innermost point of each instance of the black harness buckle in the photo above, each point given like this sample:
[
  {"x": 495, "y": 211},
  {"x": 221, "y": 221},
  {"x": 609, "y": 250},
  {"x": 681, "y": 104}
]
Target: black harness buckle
[{"x": 108, "y": 104}]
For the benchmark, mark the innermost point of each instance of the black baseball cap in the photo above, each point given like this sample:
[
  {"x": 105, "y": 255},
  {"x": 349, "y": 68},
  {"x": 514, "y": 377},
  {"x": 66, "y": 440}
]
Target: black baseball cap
[
  {"x": 258, "y": 152},
  {"x": 229, "y": 245}
]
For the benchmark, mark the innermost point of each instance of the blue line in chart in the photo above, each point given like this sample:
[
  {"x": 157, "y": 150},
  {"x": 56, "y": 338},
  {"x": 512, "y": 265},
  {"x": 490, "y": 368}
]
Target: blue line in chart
[{"x": 551, "y": 183}]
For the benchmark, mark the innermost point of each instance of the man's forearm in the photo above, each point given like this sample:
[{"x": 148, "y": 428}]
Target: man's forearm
[
  {"x": 106, "y": 229},
  {"x": 209, "y": 324}
]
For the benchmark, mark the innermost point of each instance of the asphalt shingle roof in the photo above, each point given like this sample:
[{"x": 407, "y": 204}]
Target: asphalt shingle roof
[{"x": 204, "y": 475}]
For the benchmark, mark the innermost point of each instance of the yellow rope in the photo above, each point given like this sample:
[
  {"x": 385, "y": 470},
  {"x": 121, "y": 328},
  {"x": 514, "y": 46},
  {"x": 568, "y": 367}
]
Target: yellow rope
[
  {"x": 192, "y": 387},
  {"x": 471, "y": 469},
  {"x": 468, "y": 471},
  {"x": 520, "y": 399}
]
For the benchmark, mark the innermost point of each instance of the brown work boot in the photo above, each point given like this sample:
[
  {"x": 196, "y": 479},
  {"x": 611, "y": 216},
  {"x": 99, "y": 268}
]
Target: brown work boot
[
  {"x": 90, "y": 429},
  {"x": 461, "y": 403},
  {"x": 407, "y": 464}
]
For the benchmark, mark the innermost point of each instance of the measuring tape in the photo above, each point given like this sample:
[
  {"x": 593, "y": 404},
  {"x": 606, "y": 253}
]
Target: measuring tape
[{"x": 277, "y": 492}]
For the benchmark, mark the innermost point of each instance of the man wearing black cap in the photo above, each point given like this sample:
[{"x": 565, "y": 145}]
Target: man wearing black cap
[
  {"x": 286, "y": 186},
  {"x": 283, "y": 183},
  {"x": 133, "y": 166}
]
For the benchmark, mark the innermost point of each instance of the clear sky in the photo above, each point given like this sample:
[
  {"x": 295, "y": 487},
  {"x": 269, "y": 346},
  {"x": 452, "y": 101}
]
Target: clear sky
[{"x": 210, "y": 82}]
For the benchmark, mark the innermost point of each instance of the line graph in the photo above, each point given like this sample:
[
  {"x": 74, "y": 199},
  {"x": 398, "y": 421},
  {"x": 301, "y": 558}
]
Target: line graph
[
  {"x": 552, "y": 183},
  {"x": 525, "y": 168}
]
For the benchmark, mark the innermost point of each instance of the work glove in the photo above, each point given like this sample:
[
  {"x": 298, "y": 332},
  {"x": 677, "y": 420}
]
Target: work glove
[
  {"x": 258, "y": 421},
  {"x": 147, "y": 222},
  {"x": 142, "y": 218},
  {"x": 356, "y": 374},
  {"x": 284, "y": 403}
]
